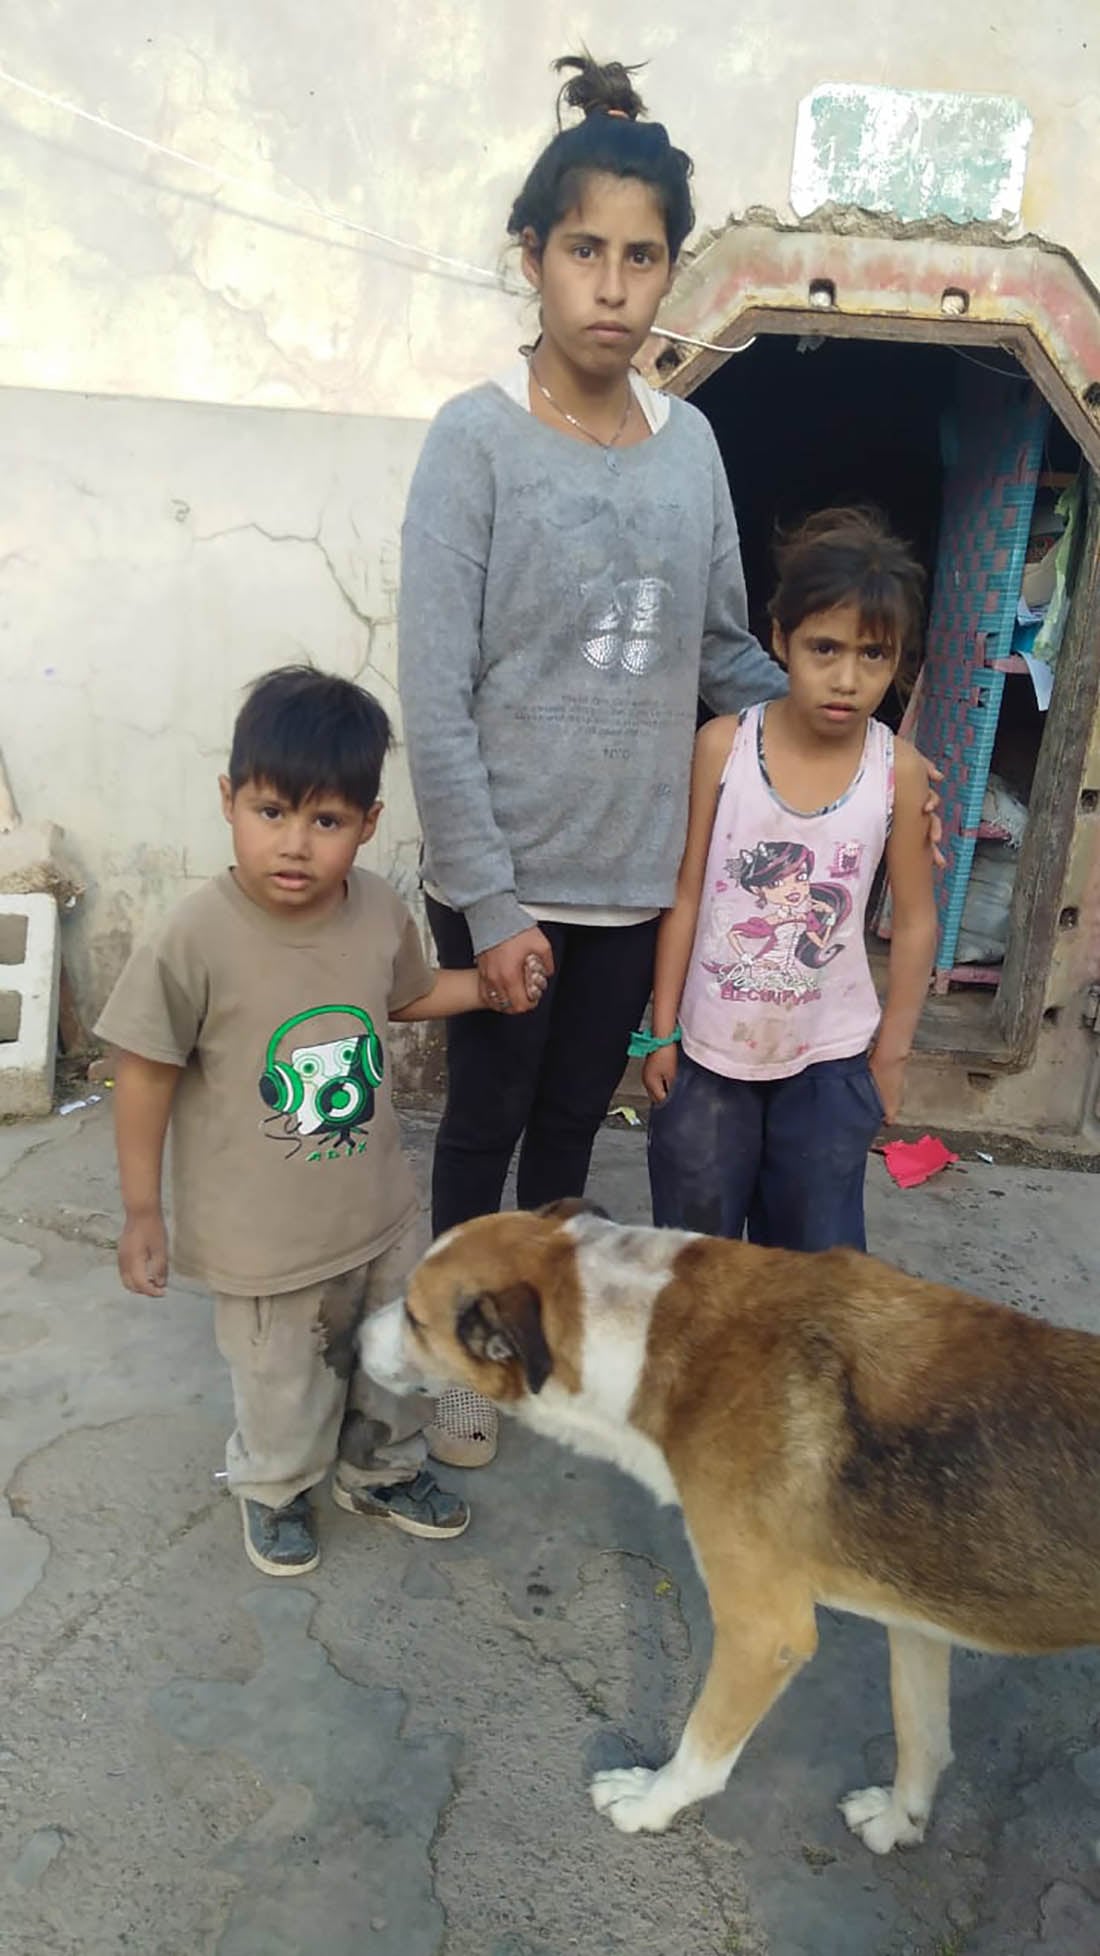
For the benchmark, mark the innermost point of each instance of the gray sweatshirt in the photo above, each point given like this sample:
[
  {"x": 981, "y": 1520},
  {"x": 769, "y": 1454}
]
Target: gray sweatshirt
[{"x": 561, "y": 608}]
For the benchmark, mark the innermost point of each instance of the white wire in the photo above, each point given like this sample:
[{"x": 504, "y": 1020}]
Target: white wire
[
  {"x": 316, "y": 212},
  {"x": 712, "y": 346}
]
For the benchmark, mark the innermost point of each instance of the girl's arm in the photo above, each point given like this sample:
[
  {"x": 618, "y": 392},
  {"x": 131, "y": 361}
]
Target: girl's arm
[
  {"x": 914, "y": 928},
  {"x": 676, "y": 933},
  {"x": 735, "y": 671}
]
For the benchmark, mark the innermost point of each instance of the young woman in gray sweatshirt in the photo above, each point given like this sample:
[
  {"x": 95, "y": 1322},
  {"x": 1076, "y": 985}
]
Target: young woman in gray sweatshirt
[{"x": 571, "y": 583}]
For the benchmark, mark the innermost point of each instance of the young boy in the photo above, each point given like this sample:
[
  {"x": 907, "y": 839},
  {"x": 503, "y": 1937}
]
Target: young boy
[{"x": 254, "y": 1023}]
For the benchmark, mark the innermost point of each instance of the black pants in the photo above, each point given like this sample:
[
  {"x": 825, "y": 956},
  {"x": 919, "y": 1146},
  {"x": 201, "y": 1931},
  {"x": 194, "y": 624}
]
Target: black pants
[{"x": 546, "y": 1075}]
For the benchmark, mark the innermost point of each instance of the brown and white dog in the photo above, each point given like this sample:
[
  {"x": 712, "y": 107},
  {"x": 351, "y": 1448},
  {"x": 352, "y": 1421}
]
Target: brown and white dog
[{"x": 834, "y": 1432}]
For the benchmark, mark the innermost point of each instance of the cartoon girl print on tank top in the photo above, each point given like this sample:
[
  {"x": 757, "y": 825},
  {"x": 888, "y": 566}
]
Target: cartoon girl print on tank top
[{"x": 772, "y": 952}]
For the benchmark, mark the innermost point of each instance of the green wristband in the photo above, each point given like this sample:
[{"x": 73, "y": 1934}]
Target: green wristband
[{"x": 644, "y": 1043}]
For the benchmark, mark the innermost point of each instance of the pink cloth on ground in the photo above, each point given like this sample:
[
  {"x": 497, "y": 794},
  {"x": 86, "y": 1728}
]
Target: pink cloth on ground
[{"x": 913, "y": 1162}]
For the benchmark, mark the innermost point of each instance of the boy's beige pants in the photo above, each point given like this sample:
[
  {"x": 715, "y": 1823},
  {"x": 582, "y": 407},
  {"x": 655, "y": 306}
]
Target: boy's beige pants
[{"x": 302, "y": 1402}]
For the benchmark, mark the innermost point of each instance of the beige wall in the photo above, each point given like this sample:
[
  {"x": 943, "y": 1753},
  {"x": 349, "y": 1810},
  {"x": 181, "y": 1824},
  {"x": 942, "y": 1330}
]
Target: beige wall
[{"x": 121, "y": 277}]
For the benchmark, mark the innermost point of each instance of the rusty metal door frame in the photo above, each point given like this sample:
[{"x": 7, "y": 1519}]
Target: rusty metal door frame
[{"x": 1030, "y": 298}]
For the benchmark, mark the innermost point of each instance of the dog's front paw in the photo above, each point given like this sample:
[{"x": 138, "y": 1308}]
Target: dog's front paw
[
  {"x": 880, "y": 1821},
  {"x": 630, "y": 1797}
]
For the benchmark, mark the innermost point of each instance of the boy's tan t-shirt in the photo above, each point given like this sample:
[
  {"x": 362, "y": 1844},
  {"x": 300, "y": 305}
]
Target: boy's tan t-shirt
[{"x": 286, "y": 1161}]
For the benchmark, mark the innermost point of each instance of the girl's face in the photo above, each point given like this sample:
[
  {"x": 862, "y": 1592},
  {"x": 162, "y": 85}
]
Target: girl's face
[
  {"x": 602, "y": 274},
  {"x": 839, "y": 673}
]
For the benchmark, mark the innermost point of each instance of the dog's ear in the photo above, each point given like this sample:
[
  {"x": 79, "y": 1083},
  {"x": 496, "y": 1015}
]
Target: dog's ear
[
  {"x": 570, "y": 1206},
  {"x": 504, "y": 1324}
]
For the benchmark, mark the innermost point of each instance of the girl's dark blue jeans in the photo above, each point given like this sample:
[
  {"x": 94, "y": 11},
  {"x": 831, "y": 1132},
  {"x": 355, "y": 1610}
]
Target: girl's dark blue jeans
[{"x": 786, "y": 1158}]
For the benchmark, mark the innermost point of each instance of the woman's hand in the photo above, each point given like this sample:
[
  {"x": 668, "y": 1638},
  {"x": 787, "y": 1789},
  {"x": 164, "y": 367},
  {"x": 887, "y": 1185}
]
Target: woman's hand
[
  {"x": 931, "y": 813},
  {"x": 506, "y": 972},
  {"x": 658, "y": 1073}
]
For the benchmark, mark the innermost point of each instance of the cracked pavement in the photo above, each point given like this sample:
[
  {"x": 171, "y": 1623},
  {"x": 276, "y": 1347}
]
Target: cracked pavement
[{"x": 390, "y": 1756}]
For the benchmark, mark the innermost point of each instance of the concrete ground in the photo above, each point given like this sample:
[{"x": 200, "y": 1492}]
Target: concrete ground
[{"x": 389, "y": 1758}]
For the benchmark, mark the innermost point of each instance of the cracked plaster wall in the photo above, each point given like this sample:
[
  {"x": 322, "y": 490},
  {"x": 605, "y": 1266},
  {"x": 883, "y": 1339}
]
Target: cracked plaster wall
[{"x": 157, "y": 556}]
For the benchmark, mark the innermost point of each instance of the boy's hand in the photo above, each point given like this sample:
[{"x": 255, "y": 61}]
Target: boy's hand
[
  {"x": 889, "y": 1078},
  {"x": 535, "y": 979},
  {"x": 143, "y": 1255},
  {"x": 658, "y": 1073}
]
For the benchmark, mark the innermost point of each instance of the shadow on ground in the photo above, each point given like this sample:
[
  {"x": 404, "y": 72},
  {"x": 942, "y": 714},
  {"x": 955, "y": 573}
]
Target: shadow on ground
[{"x": 390, "y": 1757}]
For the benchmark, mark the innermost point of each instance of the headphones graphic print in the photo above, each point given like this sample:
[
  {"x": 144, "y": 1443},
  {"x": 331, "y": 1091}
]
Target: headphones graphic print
[{"x": 342, "y": 1099}]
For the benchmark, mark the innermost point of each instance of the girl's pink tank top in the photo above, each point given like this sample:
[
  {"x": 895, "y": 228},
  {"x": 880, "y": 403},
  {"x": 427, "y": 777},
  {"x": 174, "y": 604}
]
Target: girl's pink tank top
[{"x": 779, "y": 977}]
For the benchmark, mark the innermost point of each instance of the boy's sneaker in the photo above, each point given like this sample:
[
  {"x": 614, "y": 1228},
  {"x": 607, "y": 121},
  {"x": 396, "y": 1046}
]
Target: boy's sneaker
[
  {"x": 419, "y": 1507},
  {"x": 281, "y": 1541}
]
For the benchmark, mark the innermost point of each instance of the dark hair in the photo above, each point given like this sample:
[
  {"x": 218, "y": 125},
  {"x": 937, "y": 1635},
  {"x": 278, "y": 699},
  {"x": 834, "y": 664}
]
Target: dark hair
[
  {"x": 770, "y": 863},
  {"x": 831, "y": 904},
  {"x": 610, "y": 140},
  {"x": 309, "y": 733},
  {"x": 851, "y": 556}
]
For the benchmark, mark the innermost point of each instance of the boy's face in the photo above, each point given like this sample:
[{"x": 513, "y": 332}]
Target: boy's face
[{"x": 294, "y": 861}]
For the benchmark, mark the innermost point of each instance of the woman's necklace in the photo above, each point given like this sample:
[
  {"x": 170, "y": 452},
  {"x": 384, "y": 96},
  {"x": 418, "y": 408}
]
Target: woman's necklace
[{"x": 572, "y": 419}]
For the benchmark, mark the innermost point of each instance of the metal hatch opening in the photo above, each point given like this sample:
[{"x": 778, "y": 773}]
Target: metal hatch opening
[{"x": 910, "y": 374}]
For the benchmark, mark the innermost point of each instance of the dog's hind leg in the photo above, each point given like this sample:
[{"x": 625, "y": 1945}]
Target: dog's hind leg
[
  {"x": 920, "y": 1687},
  {"x": 757, "y": 1651}
]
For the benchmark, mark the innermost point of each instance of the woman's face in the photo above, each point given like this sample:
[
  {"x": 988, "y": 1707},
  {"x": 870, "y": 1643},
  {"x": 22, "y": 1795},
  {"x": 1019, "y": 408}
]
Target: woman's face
[{"x": 602, "y": 274}]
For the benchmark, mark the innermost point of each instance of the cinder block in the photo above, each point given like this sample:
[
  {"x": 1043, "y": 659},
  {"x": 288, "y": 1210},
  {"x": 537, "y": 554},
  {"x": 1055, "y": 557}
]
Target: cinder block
[{"x": 30, "y": 971}]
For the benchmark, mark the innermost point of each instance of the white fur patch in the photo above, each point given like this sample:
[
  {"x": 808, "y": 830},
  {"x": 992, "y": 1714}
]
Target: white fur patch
[
  {"x": 621, "y": 1272},
  {"x": 385, "y": 1352},
  {"x": 639, "y": 1800},
  {"x": 631, "y": 1246},
  {"x": 440, "y": 1243},
  {"x": 568, "y": 1419}
]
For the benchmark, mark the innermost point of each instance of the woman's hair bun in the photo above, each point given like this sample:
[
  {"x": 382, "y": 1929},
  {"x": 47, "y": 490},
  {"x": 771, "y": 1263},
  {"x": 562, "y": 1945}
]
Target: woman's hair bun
[
  {"x": 610, "y": 139},
  {"x": 598, "y": 88}
]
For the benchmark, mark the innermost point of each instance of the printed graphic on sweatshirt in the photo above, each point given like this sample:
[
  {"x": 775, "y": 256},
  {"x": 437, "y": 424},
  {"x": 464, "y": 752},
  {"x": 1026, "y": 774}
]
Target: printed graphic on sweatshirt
[
  {"x": 627, "y": 625},
  {"x": 772, "y": 949},
  {"x": 322, "y": 1094}
]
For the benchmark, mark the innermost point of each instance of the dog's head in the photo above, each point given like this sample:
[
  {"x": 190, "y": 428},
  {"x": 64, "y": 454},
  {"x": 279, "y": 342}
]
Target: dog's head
[{"x": 494, "y": 1305}]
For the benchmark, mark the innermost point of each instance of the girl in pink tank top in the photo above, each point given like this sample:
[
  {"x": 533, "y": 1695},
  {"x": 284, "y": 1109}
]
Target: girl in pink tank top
[{"x": 773, "y": 1066}]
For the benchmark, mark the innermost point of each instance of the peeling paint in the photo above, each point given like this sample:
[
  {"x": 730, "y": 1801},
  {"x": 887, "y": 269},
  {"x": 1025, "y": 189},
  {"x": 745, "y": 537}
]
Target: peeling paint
[{"x": 917, "y": 154}]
